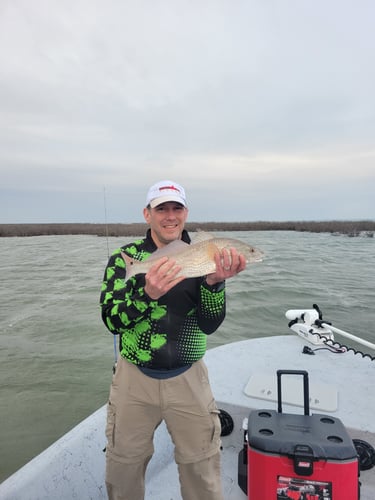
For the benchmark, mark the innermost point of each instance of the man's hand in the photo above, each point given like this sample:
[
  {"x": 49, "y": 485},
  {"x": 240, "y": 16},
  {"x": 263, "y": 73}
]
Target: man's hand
[
  {"x": 228, "y": 264},
  {"x": 161, "y": 277}
]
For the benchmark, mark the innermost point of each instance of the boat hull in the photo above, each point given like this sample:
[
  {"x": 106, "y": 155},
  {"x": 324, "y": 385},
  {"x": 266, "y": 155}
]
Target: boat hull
[{"x": 73, "y": 467}]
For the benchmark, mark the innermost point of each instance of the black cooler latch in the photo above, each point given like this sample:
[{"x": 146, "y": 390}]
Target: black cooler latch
[{"x": 303, "y": 460}]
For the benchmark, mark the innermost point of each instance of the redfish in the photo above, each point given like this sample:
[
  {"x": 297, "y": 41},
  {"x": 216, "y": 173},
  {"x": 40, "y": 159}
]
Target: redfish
[{"x": 196, "y": 259}]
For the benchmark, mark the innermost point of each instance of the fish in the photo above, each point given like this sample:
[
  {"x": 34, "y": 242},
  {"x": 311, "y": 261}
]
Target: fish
[{"x": 196, "y": 259}]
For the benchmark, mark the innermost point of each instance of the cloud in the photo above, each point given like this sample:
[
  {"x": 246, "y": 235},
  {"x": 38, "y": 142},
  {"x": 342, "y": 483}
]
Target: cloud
[{"x": 273, "y": 95}]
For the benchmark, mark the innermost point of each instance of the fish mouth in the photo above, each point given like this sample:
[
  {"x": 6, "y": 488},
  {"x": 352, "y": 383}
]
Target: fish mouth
[{"x": 258, "y": 257}]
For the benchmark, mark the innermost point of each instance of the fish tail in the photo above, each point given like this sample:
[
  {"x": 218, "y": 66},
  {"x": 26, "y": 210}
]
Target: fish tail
[{"x": 129, "y": 263}]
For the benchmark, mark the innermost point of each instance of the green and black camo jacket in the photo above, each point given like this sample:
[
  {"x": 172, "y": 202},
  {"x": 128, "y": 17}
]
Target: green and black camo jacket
[{"x": 162, "y": 334}]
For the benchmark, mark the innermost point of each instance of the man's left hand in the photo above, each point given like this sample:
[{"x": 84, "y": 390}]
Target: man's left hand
[{"x": 228, "y": 264}]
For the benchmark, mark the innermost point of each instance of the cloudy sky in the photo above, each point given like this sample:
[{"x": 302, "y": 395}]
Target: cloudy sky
[{"x": 261, "y": 109}]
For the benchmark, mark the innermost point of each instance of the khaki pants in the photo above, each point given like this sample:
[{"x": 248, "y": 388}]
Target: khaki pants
[{"x": 136, "y": 407}]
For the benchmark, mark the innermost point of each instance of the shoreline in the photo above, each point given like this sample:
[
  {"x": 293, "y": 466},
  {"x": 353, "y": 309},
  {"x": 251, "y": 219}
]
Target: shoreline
[{"x": 347, "y": 227}]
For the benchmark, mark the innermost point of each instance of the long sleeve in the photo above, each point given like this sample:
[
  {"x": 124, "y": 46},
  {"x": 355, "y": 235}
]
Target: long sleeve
[
  {"x": 124, "y": 304},
  {"x": 162, "y": 334},
  {"x": 212, "y": 308}
]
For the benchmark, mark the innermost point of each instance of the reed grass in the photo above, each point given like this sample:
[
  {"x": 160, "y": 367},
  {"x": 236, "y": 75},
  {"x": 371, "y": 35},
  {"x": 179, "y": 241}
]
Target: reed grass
[{"x": 351, "y": 228}]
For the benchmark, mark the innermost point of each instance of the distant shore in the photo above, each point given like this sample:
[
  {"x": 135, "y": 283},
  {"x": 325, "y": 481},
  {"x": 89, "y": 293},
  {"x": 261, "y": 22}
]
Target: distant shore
[{"x": 350, "y": 228}]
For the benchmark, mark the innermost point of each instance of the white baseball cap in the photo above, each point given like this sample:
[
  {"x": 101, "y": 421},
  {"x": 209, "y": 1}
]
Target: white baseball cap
[{"x": 164, "y": 191}]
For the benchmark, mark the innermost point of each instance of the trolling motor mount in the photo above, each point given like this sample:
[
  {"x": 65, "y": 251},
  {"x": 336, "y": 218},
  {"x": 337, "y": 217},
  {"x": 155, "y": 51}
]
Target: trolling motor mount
[{"x": 308, "y": 324}]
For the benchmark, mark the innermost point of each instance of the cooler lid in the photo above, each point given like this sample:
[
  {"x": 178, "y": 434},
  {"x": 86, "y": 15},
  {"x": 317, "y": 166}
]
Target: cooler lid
[{"x": 279, "y": 433}]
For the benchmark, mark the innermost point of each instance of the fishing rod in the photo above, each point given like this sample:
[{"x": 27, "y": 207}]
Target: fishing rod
[
  {"x": 106, "y": 237},
  {"x": 105, "y": 219},
  {"x": 309, "y": 324}
]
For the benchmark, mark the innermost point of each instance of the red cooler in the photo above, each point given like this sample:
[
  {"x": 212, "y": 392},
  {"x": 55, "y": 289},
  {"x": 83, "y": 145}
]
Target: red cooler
[{"x": 293, "y": 456}]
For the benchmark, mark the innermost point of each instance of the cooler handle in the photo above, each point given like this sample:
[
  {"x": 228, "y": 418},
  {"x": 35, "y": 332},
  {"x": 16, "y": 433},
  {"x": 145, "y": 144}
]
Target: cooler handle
[{"x": 306, "y": 397}]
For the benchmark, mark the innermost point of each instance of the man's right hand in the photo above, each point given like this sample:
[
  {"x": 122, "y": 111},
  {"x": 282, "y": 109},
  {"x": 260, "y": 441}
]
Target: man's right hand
[{"x": 161, "y": 277}]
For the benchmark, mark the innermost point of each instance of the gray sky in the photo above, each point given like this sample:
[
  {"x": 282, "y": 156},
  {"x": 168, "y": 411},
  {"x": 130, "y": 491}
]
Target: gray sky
[{"x": 261, "y": 109}]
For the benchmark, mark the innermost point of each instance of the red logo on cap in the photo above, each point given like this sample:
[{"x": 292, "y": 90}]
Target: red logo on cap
[{"x": 169, "y": 187}]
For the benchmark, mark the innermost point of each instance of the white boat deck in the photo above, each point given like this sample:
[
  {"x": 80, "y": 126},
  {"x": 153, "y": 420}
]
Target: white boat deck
[{"x": 74, "y": 466}]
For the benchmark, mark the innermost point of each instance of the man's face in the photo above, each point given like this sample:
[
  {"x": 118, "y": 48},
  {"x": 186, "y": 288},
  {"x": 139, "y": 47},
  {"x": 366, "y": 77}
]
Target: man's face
[{"x": 166, "y": 221}]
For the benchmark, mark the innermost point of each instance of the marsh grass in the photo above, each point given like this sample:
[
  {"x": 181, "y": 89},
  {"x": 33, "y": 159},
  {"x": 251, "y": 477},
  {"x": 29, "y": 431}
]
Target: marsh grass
[{"x": 350, "y": 228}]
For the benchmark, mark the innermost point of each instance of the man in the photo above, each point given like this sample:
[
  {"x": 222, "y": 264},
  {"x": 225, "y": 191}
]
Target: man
[{"x": 163, "y": 321}]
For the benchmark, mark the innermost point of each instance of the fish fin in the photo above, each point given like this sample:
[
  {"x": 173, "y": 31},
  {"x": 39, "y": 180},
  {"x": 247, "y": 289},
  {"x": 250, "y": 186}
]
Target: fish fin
[
  {"x": 201, "y": 235},
  {"x": 172, "y": 248},
  {"x": 211, "y": 250},
  {"x": 129, "y": 263}
]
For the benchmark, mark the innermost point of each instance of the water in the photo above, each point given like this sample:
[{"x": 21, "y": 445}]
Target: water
[{"x": 56, "y": 356}]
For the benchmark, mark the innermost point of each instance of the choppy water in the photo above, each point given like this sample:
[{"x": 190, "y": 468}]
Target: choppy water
[{"x": 56, "y": 356}]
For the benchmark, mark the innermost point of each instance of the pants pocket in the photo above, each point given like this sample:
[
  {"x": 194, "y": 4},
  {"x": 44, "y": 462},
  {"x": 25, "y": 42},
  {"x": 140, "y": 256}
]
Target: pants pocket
[
  {"x": 216, "y": 425},
  {"x": 111, "y": 424}
]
